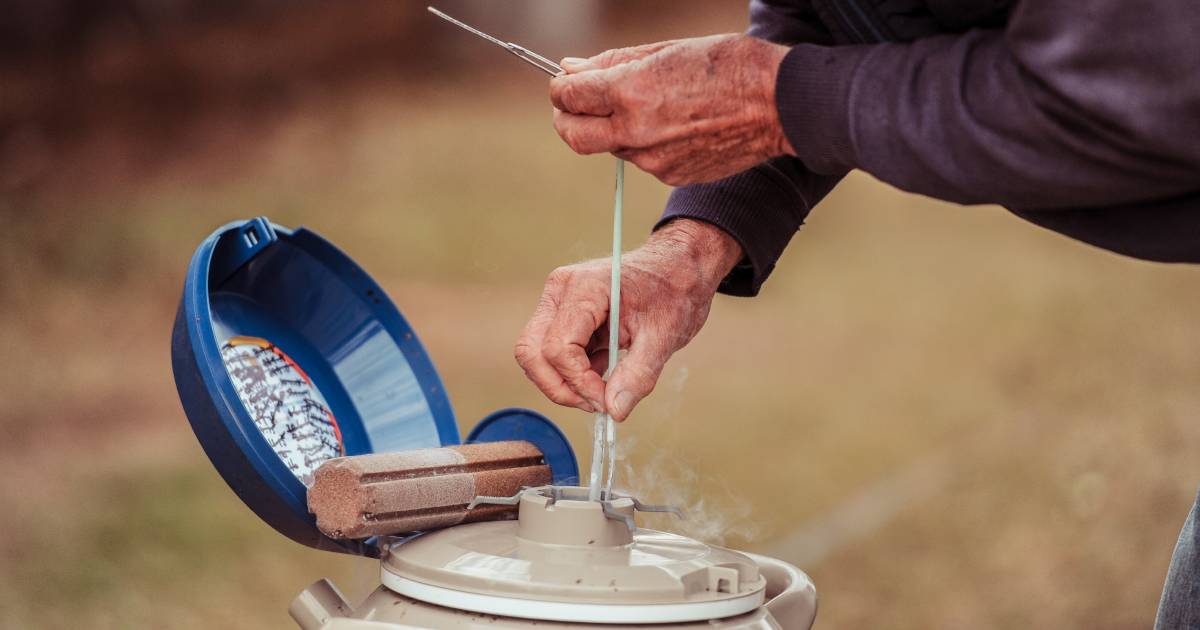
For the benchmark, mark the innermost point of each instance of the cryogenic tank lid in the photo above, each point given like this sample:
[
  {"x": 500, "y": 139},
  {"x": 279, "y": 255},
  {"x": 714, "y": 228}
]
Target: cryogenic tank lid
[{"x": 564, "y": 561}]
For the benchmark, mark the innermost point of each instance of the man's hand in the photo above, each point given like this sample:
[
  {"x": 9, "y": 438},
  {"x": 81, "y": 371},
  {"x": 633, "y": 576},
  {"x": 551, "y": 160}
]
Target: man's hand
[
  {"x": 667, "y": 287},
  {"x": 685, "y": 111}
]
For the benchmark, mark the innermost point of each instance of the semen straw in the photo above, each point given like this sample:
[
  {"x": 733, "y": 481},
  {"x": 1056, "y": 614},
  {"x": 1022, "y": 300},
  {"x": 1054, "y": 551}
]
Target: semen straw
[{"x": 604, "y": 433}]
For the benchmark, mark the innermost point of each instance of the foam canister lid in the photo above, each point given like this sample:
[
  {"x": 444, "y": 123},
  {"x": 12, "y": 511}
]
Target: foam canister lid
[{"x": 286, "y": 354}]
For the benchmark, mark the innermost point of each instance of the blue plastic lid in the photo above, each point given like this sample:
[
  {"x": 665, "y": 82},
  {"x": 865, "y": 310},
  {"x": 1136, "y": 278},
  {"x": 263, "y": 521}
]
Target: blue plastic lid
[
  {"x": 528, "y": 425},
  {"x": 286, "y": 353}
]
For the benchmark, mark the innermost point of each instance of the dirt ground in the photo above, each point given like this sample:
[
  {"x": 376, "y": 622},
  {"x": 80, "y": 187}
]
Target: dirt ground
[{"x": 947, "y": 417}]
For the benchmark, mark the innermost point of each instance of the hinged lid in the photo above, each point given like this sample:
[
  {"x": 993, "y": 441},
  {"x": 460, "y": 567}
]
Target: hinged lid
[{"x": 286, "y": 353}]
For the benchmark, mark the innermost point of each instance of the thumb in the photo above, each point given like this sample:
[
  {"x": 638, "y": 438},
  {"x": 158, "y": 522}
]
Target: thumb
[
  {"x": 635, "y": 377},
  {"x": 576, "y": 64}
]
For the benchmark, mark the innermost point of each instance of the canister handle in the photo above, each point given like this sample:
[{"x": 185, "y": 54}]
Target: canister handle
[
  {"x": 792, "y": 597},
  {"x": 316, "y": 605},
  {"x": 322, "y": 607}
]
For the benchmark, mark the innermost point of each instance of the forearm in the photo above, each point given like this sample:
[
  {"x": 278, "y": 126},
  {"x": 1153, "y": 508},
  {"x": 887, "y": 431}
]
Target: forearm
[
  {"x": 1162, "y": 230},
  {"x": 1059, "y": 110},
  {"x": 761, "y": 209}
]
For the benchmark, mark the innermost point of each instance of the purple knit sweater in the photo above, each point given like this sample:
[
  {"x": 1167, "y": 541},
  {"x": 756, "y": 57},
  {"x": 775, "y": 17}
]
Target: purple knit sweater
[{"x": 1080, "y": 115}]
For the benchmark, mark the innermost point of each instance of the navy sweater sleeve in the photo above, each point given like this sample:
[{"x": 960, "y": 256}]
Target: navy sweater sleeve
[
  {"x": 1074, "y": 104},
  {"x": 762, "y": 207}
]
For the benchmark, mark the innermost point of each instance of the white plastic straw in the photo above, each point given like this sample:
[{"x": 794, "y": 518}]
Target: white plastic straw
[{"x": 604, "y": 433}]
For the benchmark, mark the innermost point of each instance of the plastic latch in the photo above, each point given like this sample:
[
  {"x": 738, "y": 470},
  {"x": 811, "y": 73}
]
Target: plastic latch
[
  {"x": 253, "y": 236},
  {"x": 723, "y": 580}
]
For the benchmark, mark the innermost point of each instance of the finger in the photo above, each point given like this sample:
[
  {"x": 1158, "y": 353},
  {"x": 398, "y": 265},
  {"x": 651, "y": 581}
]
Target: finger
[
  {"x": 598, "y": 347},
  {"x": 617, "y": 56},
  {"x": 529, "y": 353},
  {"x": 599, "y": 360},
  {"x": 583, "y": 93},
  {"x": 546, "y": 378},
  {"x": 674, "y": 167},
  {"x": 636, "y": 375},
  {"x": 597, "y": 350},
  {"x": 653, "y": 160},
  {"x": 586, "y": 134},
  {"x": 578, "y": 317},
  {"x": 571, "y": 65}
]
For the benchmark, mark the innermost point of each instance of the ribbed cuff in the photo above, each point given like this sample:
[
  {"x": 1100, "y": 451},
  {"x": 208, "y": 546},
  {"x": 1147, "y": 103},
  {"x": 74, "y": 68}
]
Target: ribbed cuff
[
  {"x": 760, "y": 208},
  {"x": 812, "y": 93}
]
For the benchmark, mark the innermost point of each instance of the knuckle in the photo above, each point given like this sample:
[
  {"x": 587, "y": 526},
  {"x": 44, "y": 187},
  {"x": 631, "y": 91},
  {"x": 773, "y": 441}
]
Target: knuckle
[
  {"x": 607, "y": 58},
  {"x": 638, "y": 131},
  {"x": 616, "y": 56},
  {"x": 568, "y": 91},
  {"x": 558, "y": 396},
  {"x": 556, "y": 91},
  {"x": 620, "y": 94},
  {"x": 571, "y": 366},
  {"x": 649, "y": 162},
  {"x": 571, "y": 137},
  {"x": 556, "y": 352},
  {"x": 633, "y": 94},
  {"x": 524, "y": 352},
  {"x": 560, "y": 276},
  {"x": 570, "y": 134},
  {"x": 552, "y": 351}
]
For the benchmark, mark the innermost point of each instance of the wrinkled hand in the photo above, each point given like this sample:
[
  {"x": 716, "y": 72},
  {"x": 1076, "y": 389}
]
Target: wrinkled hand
[
  {"x": 685, "y": 111},
  {"x": 667, "y": 287}
]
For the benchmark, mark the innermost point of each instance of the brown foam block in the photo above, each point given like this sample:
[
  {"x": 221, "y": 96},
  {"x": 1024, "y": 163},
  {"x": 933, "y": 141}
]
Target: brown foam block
[{"x": 394, "y": 493}]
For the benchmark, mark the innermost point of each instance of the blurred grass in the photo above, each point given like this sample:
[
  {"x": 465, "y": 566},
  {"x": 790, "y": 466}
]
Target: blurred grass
[{"x": 1055, "y": 382}]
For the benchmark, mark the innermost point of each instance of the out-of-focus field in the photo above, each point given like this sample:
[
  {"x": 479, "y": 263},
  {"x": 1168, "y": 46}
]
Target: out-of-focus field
[{"x": 949, "y": 418}]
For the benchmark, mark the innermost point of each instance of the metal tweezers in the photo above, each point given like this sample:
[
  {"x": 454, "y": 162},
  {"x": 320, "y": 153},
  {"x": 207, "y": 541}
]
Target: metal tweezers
[{"x": 526, "y": 55}]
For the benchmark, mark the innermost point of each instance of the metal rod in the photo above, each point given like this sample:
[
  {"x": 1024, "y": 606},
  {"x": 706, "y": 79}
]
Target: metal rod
[
  {"x": 522, "y": 53},
  {"x": 535, "y": 60}
]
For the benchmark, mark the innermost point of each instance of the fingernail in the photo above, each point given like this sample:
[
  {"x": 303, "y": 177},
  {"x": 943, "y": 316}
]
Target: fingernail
[
  {"x": 621, "y": 404},
  {"x": 574, "y": 61},
  {"x": 596, "y": 406}
]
